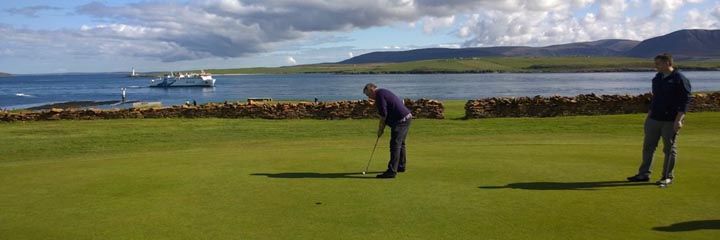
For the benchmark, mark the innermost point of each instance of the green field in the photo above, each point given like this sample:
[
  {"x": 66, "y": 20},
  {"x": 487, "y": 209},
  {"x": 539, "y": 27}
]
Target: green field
[
  {"x": 505, "y": 178},
  {"x": 481, "y": 65}
]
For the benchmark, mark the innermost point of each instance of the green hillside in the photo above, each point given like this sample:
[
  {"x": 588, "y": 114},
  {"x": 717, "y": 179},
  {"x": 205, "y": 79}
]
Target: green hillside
[
  {"x": 482, "y": 65},
  {"x": 2, "y": 74}
]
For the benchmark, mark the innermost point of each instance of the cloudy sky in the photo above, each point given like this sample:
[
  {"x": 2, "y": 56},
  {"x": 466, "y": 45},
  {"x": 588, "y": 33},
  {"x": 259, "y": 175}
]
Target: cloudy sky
[{"x": 52, "y": 36}]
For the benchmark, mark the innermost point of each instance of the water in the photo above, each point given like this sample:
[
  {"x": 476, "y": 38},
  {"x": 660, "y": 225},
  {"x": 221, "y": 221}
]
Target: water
[{"x": 33, "y": 90}]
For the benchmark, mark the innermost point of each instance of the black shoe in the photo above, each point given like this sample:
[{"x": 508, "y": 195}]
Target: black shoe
[
  {"x": 638, "y": 178},
  {"x": 401, "y": 169},
  {"x": 385, "y": 175}
]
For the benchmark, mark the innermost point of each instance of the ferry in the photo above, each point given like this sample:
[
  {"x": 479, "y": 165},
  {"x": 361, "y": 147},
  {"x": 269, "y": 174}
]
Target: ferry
[{"x": 184, "y": 80}]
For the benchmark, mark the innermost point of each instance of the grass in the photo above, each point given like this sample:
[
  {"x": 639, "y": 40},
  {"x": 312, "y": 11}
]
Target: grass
[
  {"x": 506, "y": 178},
  {"x": 483, "y": 64}
]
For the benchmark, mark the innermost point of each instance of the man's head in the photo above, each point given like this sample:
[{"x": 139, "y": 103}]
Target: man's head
[
  {"x": 369, "y": 90},
  {"x": 664, "y": 63}
]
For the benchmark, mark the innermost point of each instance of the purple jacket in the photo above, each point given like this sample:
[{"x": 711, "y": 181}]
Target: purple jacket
[
  {"x": 390, "y": 106},
  {"x": 670, "y": 96}
]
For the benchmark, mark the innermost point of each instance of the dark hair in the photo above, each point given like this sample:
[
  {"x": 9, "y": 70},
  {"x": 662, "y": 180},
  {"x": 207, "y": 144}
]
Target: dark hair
[
  {"x": 369, "y": 86},
  {"x": 665, "y": 58}
]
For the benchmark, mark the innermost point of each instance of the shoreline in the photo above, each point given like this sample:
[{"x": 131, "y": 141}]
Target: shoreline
[
  {"x": 76, "y": 104},
  {"x": 86, "y": 104}
]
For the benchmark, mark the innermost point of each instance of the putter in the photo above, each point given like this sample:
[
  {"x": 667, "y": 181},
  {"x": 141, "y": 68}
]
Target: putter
[{"x": 371, "y": 155}]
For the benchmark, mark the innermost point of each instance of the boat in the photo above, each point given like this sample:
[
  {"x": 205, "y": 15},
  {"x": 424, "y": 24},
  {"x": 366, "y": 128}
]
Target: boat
[{"x": 184, "y": 80}]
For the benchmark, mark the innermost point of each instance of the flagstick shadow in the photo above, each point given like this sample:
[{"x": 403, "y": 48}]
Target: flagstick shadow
[
  {"x": 318, "y": 175},
  {"x": 567, "y": 185},
  {"x": 690, "y": 226}
]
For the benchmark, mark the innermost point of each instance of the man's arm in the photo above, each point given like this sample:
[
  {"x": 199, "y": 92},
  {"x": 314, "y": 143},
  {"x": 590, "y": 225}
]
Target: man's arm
[
  {"x": 685, "y": 104},
  {"x": 678, "y": 121},
  {"x": 381, "y": 127}
]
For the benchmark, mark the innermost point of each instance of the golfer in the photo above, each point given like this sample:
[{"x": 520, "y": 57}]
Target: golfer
[
  {"x": 670, "y": 101},
  {"x": 393, "y": 113}
]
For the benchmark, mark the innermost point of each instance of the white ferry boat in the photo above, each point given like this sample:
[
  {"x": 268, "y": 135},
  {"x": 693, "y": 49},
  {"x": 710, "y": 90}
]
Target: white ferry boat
[{"x": 184, "y": 80}]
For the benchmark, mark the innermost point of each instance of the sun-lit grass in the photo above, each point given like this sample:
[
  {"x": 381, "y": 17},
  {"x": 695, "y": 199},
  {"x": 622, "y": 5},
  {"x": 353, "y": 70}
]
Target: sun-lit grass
[
  {"x": 482, "y": 64},
  {"x": 507, "y": 178}
]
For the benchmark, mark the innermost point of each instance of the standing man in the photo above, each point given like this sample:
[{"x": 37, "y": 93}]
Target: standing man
[
  {"x": 393, "y": 113},
  {"x": 123, "y": 94},
  {"x": 670, "y": 101}
]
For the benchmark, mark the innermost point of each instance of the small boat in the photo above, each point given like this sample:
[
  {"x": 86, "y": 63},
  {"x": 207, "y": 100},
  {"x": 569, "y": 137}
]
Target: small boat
[{"x": 184, "y": 80}]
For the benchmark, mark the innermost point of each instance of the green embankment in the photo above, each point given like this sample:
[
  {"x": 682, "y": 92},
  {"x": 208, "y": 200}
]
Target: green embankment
[
  {"x": 506, "y": 178},
  {"x": 481, "y": 65}
]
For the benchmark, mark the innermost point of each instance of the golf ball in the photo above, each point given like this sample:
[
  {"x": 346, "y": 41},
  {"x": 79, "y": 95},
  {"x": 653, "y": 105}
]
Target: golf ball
[
  {"x": 663, "y": 186},
  {"x": 363, "y": 173}
]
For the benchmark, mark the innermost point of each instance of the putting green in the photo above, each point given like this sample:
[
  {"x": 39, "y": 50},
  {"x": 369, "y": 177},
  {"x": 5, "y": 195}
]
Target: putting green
[{"x": 510, "y": 178}]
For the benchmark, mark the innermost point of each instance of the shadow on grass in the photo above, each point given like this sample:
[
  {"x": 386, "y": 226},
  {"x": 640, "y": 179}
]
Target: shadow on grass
[
  {"x": 567, "y": 185},
  {"x": 690, "y": 226},
  {"x": 369, "y": 175}
]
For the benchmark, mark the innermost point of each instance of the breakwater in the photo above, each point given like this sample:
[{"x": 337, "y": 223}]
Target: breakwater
[
  {"x": 588, "y": 104},
  {"x": 422, "y": 108}
]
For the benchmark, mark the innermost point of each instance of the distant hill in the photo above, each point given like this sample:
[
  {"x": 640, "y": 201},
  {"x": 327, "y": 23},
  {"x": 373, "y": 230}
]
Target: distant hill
[
  {"x": 2, "y": 74},
  {"x": 604, "y": 48},
  {"x": 682, "y": 44}
]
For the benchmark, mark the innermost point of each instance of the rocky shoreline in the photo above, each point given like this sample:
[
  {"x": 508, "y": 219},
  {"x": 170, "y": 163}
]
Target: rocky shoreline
[
  {"x": 422, "y": 108},
  {"x": 75, "y": 104}
]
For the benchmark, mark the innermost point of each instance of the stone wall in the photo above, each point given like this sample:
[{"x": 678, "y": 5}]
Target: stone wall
[
  {"x": 422, "y": 108},
  {"x": 589, "y": 104}
]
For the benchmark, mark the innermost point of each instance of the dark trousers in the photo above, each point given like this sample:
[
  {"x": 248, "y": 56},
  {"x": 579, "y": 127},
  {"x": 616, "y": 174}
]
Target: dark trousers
[
  {"x": 654, "y": 130},
  {"x": 398, "y": 134}
]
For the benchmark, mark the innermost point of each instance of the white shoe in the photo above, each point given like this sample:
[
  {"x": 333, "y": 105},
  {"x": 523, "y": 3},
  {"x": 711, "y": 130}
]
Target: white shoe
[{"x": 664, "y": 181}]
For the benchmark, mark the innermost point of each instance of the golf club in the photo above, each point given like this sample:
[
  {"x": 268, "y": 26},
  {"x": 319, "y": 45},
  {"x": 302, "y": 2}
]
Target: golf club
[{"x": 371, "y": 155}]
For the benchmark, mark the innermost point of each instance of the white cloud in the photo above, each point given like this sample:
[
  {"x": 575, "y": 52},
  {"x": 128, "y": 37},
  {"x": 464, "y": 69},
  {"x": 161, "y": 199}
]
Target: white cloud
[
  {"x": 716, "y": 13},
  {"x": 450, "y": 45},
  {"x": 32, "y": 11},
  {"x": 187, "y": 31},
  {"x": 611, "y": 9},
  {"x": 350, "y": 55},
  {"x": 432, "y": 23},
  {"x": 703, "y": 20}
]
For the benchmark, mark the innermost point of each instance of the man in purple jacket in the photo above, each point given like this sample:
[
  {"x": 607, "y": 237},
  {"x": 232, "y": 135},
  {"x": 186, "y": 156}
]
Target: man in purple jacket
[
  {"x": 393, "y": 113},
  {"x": 670, "y": 101}
]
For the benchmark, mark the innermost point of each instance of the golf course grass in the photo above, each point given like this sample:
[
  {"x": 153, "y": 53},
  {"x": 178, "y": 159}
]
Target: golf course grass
[{"x": 505, "y": 178}]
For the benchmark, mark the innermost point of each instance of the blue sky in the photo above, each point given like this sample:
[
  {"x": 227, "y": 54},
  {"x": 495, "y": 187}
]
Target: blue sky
[{"x": 100, "y": 36}]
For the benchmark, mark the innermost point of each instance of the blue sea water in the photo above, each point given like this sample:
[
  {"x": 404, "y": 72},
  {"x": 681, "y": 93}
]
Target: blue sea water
[{"x": 26, "y": 91}]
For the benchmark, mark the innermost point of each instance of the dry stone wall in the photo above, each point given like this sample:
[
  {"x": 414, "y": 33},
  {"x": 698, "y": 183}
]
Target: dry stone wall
[
  {"x": 589, "y": 104},
  {"x": 422, "y": 108}
]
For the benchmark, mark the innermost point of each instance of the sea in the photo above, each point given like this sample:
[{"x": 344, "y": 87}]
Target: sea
[{"x": 26, "y": 91}]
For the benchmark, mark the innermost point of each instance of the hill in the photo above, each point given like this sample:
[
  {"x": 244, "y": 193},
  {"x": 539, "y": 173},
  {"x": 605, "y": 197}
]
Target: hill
[
  {"x": 602, "y": 48},
  {"x": 482, "y": 65},
  {"x": 2, "y": 74},
  {"x": 684, "y": 44}
]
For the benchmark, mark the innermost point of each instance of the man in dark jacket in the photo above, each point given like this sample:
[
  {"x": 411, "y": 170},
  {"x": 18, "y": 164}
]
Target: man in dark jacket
[
  {"x": 670, "y": 101},
  {"x": 393, "y": 113}
]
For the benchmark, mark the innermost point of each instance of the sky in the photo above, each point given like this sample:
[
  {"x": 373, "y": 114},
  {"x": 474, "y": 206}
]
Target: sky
[{"x": 56, "y": 36}]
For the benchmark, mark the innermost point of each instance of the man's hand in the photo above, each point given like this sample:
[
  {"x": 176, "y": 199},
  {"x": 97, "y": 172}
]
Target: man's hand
[
  {"x": 677, "y": 126},
  {"x": 381, "y": 126},
  {"x": 678, "y": 121}
]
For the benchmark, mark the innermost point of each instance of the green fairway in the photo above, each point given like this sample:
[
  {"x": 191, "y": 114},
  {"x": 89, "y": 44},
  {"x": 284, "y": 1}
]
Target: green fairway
[{"x": 507, "y": 178}]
